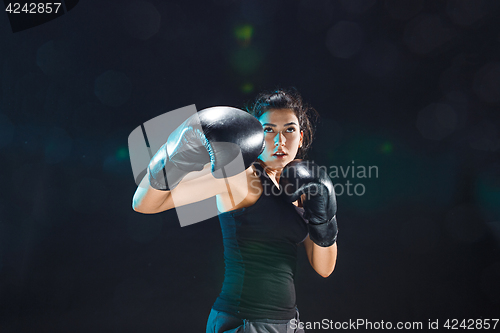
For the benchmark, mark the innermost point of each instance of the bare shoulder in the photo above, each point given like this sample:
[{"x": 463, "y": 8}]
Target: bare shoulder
[{"x": 243, "y": 191}]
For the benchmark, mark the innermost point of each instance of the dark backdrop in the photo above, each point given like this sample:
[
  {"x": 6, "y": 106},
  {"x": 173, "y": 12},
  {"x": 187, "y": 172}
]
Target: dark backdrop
[{"x": 411, "y": 87}]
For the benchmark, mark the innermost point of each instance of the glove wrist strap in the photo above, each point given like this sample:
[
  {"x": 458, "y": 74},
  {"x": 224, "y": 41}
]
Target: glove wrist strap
[{"x": 324, "y": 234}]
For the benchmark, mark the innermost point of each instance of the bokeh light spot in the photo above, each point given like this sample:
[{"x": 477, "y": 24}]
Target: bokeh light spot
[
  {"x": 52, "y": 59},
  {"x": 487, "y": 193},
  {"x": 116, "y": 165},
  {"x": 437, "y": 121},
  {"x": 113, "y": 88},
  {"x": 487, "y": 83},
  {"x": 465, "y": 12},
  {"x": 427, "y": 33},
  {"x": 142, "y": 19},
  {"x": 344, "y": 39},
  {"x": 403, "y": 9},
  {"x": 243, "y": 34},
  {"x": 357, "y": 6},
  {"x": 259, "y": 11},
  {"x": 246, "y": 61},
  {"x": 315, "y": 15},
  {"x": 484, "y": 136},
  {"x": 453, "y": 79},
  {"x": 446, "y": 116},
  {"x": 387, "y": 147},
  {"x": 122, "y": 153},
  {"x": 31, "y": 137},
  {"x": 247, "y": 88},
  {"x": 58, "y": 145}
]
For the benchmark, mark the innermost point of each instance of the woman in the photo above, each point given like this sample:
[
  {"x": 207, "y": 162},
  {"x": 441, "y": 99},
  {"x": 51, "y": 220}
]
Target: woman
[{"x": 261, "y": 232}]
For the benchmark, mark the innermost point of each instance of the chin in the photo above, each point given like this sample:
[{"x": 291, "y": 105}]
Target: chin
[
  {"x": 280, "y": 164},
  {"x": 275, "y": 163}
]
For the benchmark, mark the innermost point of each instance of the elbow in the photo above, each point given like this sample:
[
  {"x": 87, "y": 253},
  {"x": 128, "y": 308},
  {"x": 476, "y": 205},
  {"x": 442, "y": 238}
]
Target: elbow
[
  {"x": 327, "y": 260},
  {"x": 326, "y": 272},
  {"x": 326, "y": 269},
  {"x": 137, "y": 207},
  {"x": 136, "y": 203},
  {"x": 142, "y": 208}
]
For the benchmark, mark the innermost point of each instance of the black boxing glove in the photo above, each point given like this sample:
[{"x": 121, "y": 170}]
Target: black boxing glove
[
  {"x": 216, "y": 135},
  {"x": 320, "y": 206}
]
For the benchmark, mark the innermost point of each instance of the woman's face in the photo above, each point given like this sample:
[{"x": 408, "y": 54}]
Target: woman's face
[{"x": 282, "y": 136}]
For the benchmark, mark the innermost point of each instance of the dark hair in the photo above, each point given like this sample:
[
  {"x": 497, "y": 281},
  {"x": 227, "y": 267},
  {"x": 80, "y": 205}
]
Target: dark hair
[{"x": 288, "y": 98}]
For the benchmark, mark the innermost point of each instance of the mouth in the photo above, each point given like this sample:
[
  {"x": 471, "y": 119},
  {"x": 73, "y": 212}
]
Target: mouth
[{"x": 280, "y": 154}]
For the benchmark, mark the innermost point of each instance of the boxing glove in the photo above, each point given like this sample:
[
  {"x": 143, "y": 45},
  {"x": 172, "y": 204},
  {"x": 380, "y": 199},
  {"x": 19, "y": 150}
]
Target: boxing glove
[
  {"x": 221, "y": 136},
  {"x": 311, "y": 183}
]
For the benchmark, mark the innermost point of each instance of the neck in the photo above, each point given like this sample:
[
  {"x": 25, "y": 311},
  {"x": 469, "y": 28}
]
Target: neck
[{"x": 274, "y": 174}]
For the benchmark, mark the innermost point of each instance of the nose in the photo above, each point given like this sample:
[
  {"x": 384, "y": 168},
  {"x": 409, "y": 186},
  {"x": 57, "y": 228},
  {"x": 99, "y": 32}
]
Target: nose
[{"x": 279, "y": 139}]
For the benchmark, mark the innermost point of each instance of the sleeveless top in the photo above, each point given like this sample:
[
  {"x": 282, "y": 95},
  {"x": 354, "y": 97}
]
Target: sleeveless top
[{"x": 260, "y": 254}]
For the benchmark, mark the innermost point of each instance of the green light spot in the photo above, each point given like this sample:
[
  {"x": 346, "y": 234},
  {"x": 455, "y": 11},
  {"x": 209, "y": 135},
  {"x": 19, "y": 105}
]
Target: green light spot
[
  {"x": 246, "y": 88},
  {"x": 243, "y": 33},
  {"x": 246, "y": 60},
  {"x": 387, "y": 147},
  {"x": 122, "y": 153},
  {"x": 488, "y": 196}
]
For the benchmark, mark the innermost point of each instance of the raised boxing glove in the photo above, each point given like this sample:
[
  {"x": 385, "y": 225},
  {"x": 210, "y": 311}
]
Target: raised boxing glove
[
  {"x": 311, "y": 183},
  {"x": 222, "y": 136}
]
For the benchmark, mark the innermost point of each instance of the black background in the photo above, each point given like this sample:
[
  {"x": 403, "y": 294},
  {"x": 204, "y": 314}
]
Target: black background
[{"x": 412, "y": 87}]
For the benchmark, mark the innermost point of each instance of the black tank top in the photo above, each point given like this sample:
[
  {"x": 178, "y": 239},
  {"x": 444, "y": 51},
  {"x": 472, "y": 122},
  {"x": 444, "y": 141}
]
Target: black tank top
[{"x": 260, "y": 254}]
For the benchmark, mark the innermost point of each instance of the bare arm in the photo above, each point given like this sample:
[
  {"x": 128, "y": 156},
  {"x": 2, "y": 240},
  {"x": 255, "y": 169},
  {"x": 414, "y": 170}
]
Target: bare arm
[
  {"x": 148, "y": 200},
  {"x": 196, "y": 186},
  {"x": 322, "y": 259}
]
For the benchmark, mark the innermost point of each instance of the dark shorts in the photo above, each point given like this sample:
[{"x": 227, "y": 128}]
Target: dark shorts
[{"x": 222, "y": 322}]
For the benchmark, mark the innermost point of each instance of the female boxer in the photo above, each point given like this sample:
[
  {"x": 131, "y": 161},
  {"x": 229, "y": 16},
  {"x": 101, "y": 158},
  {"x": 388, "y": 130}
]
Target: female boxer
[{"x": 261, "y": 232}]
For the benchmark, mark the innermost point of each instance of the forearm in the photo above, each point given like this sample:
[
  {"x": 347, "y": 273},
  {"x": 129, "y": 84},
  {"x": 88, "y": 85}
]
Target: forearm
[
  {"x": 147, "y": 200},
  {"x": 322, "y": 259},
  {"x": 195, "y": 187}
]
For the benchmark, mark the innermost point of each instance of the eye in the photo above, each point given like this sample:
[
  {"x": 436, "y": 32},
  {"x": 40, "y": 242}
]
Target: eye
[
  {"x": 290, "y": 129},
  {"x": 268, "y": 129}
]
